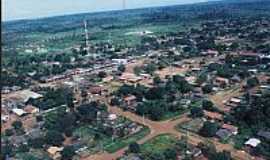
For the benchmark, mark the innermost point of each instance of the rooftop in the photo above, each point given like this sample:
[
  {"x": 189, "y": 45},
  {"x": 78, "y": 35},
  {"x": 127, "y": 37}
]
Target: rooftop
[{"x": 253, "y": 142}]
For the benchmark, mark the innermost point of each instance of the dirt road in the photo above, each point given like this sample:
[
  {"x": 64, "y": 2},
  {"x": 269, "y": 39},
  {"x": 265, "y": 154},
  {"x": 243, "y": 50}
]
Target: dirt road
[{"x": 164, "y": 127}]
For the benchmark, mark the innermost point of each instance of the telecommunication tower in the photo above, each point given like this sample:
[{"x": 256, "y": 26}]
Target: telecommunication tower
[{"x": 86, "y": 36}]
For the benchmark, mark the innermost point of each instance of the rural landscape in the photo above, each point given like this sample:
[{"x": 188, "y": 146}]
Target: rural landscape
[{"x": 183, "y": 82}]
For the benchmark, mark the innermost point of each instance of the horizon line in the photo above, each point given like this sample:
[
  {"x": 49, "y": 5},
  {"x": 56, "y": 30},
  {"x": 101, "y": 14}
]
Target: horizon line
[{"x": 96, "y": 12}]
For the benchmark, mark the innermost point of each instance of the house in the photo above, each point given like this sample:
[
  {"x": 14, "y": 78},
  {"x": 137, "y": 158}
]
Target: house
[
  {"x": 145, "y": 76},
  {"x": 18, "y": 140},
  {"x": 223, "y": 134},
  {"x": 201, "y": 157},
  {"x": 213, "y": 115},
  {"x": 34, "y": 133},
  {"x": 249, "y": 58},
  {"x": 119, "y": 61},
  {"x": 25, "y": 95},
  {"x": 265, "y": 87},
  {"x": 12, "y": 102},
  {"x": 18, "y": 112},
  {"x": 185, "y": 102},
  {"x": 96, "y": 90},
  {"x": 4, "y": 118},
  {"x": 195, "y": 152},
  {"x": 264, "y": 134},
  {"x": 196, "y": 69},
  {"x": 231, "y": 128},
  {"x": 112, "y": 117},
  {"x": 107, "y": 79},
  {"x": 222, "y": 82},
  {"x": 130, "y": 102},
  {"x": 253, "y": 142},
  {"x": 130, "y": 77},
  {"x": 191, "y": 80},
  {"x": 235, "y": 79},
  {"x": 54, "y": 152},
  {"x": 31, "y": 109},
  {"x": 209, "y": 52}
]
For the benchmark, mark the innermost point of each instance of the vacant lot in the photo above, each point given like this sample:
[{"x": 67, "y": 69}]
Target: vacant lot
[
  {"x": 159, "y": 143},
  {"x": 193, "y": 126}
]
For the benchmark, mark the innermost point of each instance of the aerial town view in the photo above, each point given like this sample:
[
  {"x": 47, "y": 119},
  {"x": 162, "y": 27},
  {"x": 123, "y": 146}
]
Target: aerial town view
[{"x": 171, "y": 81}]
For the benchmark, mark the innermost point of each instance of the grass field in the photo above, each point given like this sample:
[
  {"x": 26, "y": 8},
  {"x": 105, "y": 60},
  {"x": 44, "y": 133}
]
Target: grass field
[
  {"x": 104, "y": 142},
  {"x": 123, "y": 142},
  {"x": 159, "y": 144}
]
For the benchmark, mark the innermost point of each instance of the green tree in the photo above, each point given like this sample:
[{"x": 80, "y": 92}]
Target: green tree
[
  {"x": 37, "y": 142},
  {"x": 17, "y": 125},
  {"x": 196, "y": 112},
  {"x": 207, "y": 89},
  {"x": 223, "y": 156},
  {"x": 102, "y": 74},
  {"x": 157, "y": 80},
  {"x": 150, "y": 68},
  {"x": 137, "y": 70},
  {"x": 157, "y": 156},
  {"x": 23, "y": 148},
  {"x": 208, "y": 105},
  {"x": 170, "y": 153},
  {"x": 7, "y": 150},
  {"x": 209, "y": 129},
  {"x": 134, "y": 147},
  {"x": 121, "y": 68},
  {"x": 9, "y": 132},
  {"x": 68, "y": 152},
  {"x": 54, "y": 138},
  {"x": 252, "y": 82}
]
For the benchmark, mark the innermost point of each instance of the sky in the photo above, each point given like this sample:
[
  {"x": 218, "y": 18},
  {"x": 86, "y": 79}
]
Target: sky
[{"x": 29, "y": 9}]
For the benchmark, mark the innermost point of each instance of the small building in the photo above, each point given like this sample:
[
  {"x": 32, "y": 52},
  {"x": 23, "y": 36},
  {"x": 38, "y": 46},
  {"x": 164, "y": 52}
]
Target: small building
[
  {"x": 119, "y": 61},
  {"x": 18, "y": 140},
  {"x": 112, "y": 117},
  {"x": 130, "y": 102},
  {"x": 31, "y": 109},
  {"x": 253, "y": 142},
  {"x": 191, "y": 80},
  {"x": 264, "y": 134},
  {"x": 130, "y": 99},
  {"x": 195, "y": 69},
  {"x": 213, "y": 115},
  {"x": 18, "y": 112},
  {"x": 235, "y": 101},
  {"x": 96, "y": 90},
  {"x": 130, "y": 77},
  {"x": 107, "y": 79},
  {"x": 194, "y": 152},
  {"x": 235, "y": 79},
  {"x": 34, "y": 133},
  {"x": 209, "y": 52},
  {"x": 25, "y": 95},
  {"x": 201, "y": 157},
  {"x": 4, "y": 118},
  {"x": 231, "y": 128},
  {"x": 54, "y": 152},
  {"x": 223, "y": 134},
  {"x": 222, "y": 82}
]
